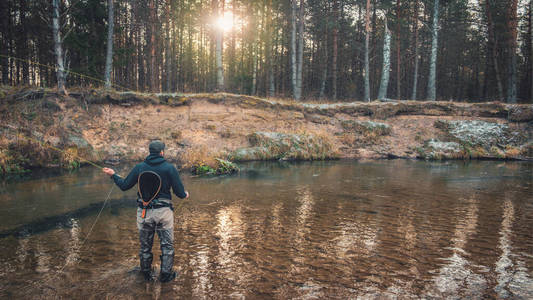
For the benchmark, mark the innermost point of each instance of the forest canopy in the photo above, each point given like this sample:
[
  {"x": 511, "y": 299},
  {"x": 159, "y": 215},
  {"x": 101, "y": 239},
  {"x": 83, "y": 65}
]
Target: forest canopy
[{"x": 459, "y": 50}]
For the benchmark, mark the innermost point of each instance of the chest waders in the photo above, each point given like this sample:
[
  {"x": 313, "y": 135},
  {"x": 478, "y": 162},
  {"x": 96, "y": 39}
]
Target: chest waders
[{"x": 159, "y": 220}]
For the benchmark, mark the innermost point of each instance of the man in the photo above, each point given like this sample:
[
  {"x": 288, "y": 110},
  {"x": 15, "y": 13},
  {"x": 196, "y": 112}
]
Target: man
[{"x": 159, "y": 215}]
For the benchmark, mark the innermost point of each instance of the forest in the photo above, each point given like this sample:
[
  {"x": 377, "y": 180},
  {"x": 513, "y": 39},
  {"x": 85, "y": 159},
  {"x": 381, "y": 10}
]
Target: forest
[{"x": 453, "y": 50}]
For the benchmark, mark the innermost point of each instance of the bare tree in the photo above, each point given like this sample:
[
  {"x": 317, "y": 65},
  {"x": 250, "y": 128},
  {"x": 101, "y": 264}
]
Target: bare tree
[
  {"x": 493, "y": 46},
  {"x": 417, "y": 54},
  {"x": 432, "y": 91},
  {"x": 300, "y": 51},
  {"x": 398, "y": 52},
  {"x": 367, "y": 60},
  {"x": 335, "y": 47},
  {"x": 385, "y": 73},
  {"x": 325, "y": 64},
  {"x": 58, "y": 47},
  {"x": 109, "y": 54},
  {"x": 218, "y": 48},
  {"x": 512, "y": 23},
  {"x": 294, "y": 68}
]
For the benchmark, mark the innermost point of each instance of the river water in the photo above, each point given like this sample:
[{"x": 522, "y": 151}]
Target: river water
[{"x": 337, "y": 230}]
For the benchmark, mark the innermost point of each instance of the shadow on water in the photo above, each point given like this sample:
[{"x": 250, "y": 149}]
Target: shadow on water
[{"x": 65, "y": 220}]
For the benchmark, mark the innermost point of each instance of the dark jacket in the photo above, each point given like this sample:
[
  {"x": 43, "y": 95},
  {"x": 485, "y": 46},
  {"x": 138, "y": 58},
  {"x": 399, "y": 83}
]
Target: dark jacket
[{"x": 156, "y": 163}]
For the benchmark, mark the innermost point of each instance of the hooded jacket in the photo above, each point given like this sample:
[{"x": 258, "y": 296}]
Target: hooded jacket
[{"x": 156, "y": 163}]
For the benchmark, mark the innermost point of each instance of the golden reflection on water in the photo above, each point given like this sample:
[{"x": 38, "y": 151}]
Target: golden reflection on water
[{"x": 230, "y": 233}]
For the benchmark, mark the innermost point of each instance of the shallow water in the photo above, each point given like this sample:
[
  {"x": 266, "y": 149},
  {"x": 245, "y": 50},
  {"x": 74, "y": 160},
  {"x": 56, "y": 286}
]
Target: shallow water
[{"x": 341, "y": 230}]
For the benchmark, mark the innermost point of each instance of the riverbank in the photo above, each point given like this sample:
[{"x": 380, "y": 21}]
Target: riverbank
[{"x": 204, "y": 131}]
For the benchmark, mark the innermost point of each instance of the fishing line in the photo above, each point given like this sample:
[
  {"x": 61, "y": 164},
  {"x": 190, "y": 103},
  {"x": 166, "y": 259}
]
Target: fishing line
[
  {"x": 81, "y": 159},
  {"x": 66, "y": 70},
  {"x": 43, "y": 144}
]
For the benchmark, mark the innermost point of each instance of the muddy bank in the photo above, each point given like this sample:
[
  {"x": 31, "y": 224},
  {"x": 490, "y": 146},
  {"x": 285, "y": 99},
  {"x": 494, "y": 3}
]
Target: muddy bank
[{"x": 200, "y": 130}]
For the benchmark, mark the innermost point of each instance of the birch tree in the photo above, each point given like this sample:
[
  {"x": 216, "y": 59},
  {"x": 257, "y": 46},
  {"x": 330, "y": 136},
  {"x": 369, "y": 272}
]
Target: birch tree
[
  {"x": 298, "y": 43},
  {"x": 432, "y": 91},
  {"x": 58, "y": 47},
  {"x": 218, "y": 51},
  {"x": 385, "y": 73},
  {"x": 294, "y": 68},
  {"x": 109, "y": 54}
]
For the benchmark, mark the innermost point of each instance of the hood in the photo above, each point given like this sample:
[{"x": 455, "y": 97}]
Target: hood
[{"x": 154, "y": 159}]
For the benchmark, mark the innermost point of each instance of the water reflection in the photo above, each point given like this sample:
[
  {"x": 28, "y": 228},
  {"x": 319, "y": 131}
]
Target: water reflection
[
  {"x": 456, "y": 278},
  {"x": 336, "y": 230},
  {"x": 511, "y": 276},
  {"x": 230, "y": 234}
]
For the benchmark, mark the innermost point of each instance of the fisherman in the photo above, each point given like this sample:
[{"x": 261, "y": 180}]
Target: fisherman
[{"x": 158, "y": 216}]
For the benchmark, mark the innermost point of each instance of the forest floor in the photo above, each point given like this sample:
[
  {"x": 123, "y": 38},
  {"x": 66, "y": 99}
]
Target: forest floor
[{"x": 198, "y": 128}]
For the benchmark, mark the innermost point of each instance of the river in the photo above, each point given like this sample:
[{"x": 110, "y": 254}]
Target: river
[{"x": 321, "y": 230}]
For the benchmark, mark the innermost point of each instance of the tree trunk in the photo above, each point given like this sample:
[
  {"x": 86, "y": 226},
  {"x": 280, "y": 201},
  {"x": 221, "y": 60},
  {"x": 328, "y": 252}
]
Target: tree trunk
[
  {"x": 168, "y": 50},
  {"x": 300, "y": 51},
  {"x": 151, "y": 46},
  {"x": 218, "y": 50},
  {"x": 512, "y": 23},
  {"x": 293, "y": 49},
  {"x": 58, "y": 48},
  {"x": 325, "y": 64},
  {"x": 493, "y": 46},
  {"x": 432, "y": 91},
  {"x": 4, "y": 15},
  {"x": 531, "y": 47},
  {"x": 268, "y": 44},
  {"x": 367, "y": 62},
  {"x": 109, "y": 54},
  {"x": 385, "y": 73},
  {"x": 335, "y": 49},
  {"x": 23, "y": 42},
  {"x": 417, "y": 59},
  {"x": 398, "y": 56}
]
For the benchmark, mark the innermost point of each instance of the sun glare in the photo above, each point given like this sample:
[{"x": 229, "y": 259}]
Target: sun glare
[{"x": 225, "y": 22}]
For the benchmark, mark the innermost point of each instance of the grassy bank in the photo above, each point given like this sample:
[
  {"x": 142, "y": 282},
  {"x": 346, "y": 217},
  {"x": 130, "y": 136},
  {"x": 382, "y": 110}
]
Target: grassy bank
[{"x": 207, "y": 132}]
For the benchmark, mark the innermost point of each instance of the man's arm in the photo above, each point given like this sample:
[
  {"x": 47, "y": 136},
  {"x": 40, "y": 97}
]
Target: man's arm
[
  {"x": 128, "y": 182},
  {"x": 177, "y": 186}
]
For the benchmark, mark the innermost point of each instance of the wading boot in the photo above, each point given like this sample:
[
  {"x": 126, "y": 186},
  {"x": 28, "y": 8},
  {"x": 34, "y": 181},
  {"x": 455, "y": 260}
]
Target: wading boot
[{"x": 166, "y": 277}]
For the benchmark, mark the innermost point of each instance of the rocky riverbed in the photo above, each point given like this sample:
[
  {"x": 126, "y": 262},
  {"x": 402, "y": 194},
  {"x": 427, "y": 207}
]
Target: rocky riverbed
[{"x": 206, "y": 131}]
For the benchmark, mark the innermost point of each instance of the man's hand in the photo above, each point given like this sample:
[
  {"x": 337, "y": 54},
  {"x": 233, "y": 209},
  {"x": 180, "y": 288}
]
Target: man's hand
[
  {"x": 186, "y": 193},
  {"x": 108, "y": 171}
]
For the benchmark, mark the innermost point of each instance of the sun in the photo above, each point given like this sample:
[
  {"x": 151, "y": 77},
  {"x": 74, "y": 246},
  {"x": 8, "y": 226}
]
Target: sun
[{"x": 225, "y": 22}]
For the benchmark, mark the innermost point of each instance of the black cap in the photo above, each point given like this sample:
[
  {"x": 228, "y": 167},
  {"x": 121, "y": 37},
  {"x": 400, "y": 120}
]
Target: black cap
[{"x": 156, "y": 146}]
